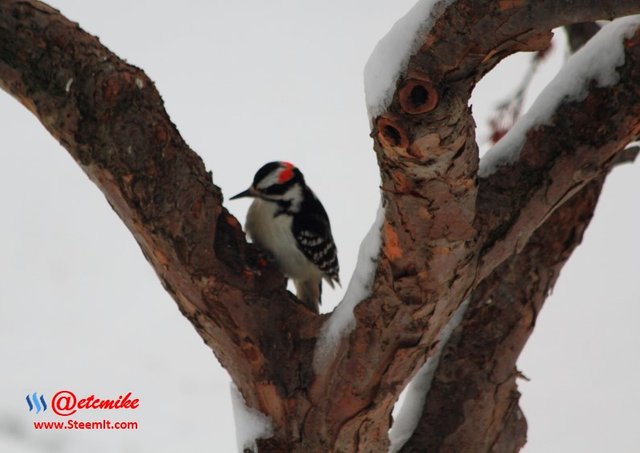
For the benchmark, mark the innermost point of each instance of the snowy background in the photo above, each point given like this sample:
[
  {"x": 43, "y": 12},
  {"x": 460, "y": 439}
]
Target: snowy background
[{"x": 245, "y": 83}]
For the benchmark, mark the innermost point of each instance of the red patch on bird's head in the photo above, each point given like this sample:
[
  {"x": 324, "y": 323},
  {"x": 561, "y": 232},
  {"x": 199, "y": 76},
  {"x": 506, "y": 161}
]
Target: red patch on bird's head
[{"x": 286, "y": 173}]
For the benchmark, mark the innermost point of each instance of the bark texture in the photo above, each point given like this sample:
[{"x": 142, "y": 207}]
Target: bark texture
[
  {"x": 447, "y": 235},
  {"x": 473, "y": 401}
]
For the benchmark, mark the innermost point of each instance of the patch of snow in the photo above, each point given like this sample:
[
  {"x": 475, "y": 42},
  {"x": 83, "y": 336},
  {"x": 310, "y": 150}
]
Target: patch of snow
[
  {"x": 341, "y": 322},
  {"x": 251, "y": 424},
  {"x": 391, "y": 55},
  {"x": 597, "y": 60},
  {"x": 415, "y": 394}
]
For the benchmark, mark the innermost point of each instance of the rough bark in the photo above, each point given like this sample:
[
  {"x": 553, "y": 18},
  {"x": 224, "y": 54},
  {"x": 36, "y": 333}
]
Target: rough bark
[
  {"x": 474, "y": 392},
  {"x": 111, "y": 119},
  {"x": 446, "y": 233},
  {"x": 472, "y": 404}
]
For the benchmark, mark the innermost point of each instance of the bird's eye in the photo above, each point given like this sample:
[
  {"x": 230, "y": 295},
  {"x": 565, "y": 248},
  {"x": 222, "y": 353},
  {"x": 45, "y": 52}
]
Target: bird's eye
[{"x": 276, "y": 189}]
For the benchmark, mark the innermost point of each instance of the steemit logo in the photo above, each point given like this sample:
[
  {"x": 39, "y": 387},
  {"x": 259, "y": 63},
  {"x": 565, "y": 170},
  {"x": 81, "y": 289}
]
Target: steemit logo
[{"x": 38, "y": 403}]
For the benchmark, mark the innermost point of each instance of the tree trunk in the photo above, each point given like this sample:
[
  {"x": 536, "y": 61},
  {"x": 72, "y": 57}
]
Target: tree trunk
[{"x": 449, "y": 232}]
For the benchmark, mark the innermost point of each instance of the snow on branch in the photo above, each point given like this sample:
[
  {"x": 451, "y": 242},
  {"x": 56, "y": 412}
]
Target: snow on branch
[
  {"x": 250, "y": 423},
  {"x": 415, "y": 394},
  {"x": 596, "y": 61},
  {"x": 342, "y": 321},
  {"x": 391, "y": 55}
]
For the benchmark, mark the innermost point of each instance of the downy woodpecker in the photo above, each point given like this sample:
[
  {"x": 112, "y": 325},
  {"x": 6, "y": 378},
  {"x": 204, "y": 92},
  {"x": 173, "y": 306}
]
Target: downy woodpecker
[{"x": 288, "y": 220}]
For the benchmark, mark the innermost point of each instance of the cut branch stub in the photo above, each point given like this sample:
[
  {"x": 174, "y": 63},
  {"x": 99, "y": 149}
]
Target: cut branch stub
[
  {"x": 391, "y": 134},
  {"x": 417, "y": 94}
]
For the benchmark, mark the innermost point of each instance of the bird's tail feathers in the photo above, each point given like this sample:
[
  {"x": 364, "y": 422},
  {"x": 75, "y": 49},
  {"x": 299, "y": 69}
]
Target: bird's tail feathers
[{"x": 309, "y": 292}]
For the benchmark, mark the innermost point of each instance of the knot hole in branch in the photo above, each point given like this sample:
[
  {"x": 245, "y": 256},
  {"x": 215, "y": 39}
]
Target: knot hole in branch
[
  {"x": 390, "y": 134},
  {"x": 418, "y": 95}
]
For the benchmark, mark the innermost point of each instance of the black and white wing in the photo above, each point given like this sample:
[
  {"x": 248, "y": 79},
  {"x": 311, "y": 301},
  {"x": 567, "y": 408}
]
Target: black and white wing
[{"x": 312, "y": 231}]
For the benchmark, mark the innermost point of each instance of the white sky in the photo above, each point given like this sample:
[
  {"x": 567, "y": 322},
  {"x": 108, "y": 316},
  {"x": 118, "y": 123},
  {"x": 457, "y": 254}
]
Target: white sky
[{"x": 248, "y": 82}]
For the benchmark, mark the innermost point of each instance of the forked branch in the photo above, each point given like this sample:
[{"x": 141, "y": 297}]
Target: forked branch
[{"x": 445, "y": 231}]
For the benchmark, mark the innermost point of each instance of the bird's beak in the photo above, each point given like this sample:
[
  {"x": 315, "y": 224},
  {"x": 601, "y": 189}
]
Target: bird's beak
[{"x": 247, "y": 193}]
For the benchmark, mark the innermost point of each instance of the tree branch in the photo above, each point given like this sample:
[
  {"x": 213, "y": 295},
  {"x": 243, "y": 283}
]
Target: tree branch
[
  {"x": 110, "y": 117},
  {"x": 474, "y": 391},
  {"x": 556, "y": 160},
  {"x": 477, "y": 381},
  {"x": 431, "y": 238}
]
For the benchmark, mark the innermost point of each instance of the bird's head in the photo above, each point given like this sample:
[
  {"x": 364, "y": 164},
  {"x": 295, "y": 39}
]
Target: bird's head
[{"x": 277, "y": 182}]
